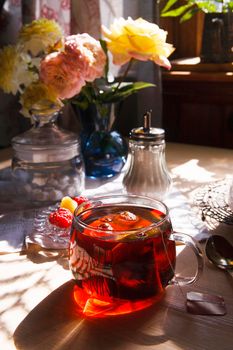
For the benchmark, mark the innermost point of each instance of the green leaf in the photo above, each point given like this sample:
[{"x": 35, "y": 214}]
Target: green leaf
[
  {"x": 81, "y": 104},
  {"x": 138, "y": 85},
  {"x": 110, "y": 94},
  {"x": 87, "y": 91},
  {"x": 104, "y": 45},
  {"x": 125, "y": 91},
  {"x": 178, "y": 11},
  {"x": 189, "y": 14},
  {"x": 207, "y": 7},
  {"x": 105, "y": 48},
  {"x": 169, "y": 4}
]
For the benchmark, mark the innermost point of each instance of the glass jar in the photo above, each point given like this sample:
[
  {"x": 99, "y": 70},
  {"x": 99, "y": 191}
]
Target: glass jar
[
  {"x": 147, "y": 174},
  {"x": 47, "y": 162}
]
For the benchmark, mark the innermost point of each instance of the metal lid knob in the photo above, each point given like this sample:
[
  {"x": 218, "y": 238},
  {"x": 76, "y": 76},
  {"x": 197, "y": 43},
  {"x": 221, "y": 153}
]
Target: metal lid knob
[{"x": 147, "y": 133}]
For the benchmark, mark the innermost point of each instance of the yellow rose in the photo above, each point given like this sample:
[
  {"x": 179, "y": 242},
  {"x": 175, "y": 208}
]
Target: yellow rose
[
  {"x": 40, "y": 97},
  {"x": 40, "y": 35},
  {"x": 137, "y": 39}
]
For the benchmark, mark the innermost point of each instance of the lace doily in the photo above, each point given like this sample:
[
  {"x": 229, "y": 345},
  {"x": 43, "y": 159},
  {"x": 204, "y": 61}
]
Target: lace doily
[{"x": 212, "y": 203}]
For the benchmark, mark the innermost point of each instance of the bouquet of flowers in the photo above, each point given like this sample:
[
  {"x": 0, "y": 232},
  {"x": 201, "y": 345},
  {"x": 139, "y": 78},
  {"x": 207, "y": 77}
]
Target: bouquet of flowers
[{"x": 48, "y": 69}]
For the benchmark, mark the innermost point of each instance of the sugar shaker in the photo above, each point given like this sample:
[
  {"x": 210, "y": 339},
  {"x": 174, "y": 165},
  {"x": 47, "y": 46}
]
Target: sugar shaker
[{"x": 147, "y": 172}]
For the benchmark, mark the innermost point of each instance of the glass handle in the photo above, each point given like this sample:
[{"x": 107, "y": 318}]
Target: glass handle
[{"x": 189, "y": 242}]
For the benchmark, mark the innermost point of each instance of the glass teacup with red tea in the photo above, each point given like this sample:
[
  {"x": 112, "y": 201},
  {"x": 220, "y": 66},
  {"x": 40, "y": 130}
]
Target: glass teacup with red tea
[{"x": 123, "y": 254}]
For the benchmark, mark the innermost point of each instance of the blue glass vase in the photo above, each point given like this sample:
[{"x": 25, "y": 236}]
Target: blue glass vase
[{"x": 104, "y": 150}]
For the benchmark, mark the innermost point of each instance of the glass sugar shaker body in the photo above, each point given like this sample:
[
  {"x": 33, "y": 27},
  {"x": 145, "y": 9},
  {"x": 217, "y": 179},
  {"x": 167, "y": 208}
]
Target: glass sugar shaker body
[{"x": 147, "y": 173}]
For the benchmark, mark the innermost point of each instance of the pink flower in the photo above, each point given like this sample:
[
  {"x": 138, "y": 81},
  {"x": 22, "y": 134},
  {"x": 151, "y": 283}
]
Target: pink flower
[
  {"x": 63, "y": 74},
  {"x": 77, "y": 55},
  {"x": 90, "y": 51},
  {"x": 66, "y": 72}
]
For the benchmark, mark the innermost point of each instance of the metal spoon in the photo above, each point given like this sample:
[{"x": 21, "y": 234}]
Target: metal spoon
[{"x": 220, "y": 252}]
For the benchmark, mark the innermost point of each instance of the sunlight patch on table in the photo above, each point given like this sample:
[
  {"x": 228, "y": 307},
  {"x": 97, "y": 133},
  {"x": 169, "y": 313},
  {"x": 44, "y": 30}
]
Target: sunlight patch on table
[{"x": 191, "y": 171}]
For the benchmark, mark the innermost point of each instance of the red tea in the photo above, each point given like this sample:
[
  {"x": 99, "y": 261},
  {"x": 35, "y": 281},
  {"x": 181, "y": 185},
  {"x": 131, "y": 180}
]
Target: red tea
[{"x": 120, "y": 262}]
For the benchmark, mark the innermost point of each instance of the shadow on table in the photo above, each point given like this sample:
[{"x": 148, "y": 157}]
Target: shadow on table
[
  {"x": 39, "y": 255},
  {"x": 56, "y": 324}
]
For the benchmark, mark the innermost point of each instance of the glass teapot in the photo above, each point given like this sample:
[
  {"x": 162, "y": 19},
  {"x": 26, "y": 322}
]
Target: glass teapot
[{"x": 123, "y": 254}]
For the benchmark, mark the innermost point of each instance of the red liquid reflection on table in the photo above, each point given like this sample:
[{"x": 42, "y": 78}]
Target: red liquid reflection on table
[{"x": 120, "y": 262}]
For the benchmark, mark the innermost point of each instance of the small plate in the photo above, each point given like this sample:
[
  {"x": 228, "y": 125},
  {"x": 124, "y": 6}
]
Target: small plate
[{"x": 47, "y": 235}]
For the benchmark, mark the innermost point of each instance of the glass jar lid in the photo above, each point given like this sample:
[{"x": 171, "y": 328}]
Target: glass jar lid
[{"x": 45, "y": 141}]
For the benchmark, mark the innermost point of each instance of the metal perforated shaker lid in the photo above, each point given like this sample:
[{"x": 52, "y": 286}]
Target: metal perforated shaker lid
[{"x": 147, "y": 133}]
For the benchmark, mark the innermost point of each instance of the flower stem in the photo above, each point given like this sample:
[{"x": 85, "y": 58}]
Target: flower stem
[{"x": 122, "y": 78}]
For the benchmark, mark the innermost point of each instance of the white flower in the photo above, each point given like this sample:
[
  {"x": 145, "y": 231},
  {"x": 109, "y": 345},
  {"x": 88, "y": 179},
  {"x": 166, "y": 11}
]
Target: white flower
[{"x": 14, "y": 70}]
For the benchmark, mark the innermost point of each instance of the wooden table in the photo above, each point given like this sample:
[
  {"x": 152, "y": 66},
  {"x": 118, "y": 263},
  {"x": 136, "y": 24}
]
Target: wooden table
[{"x": 37, "y": 309}]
